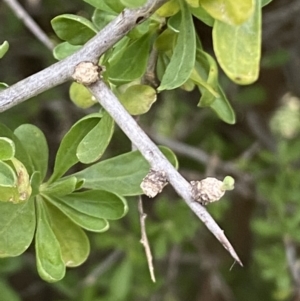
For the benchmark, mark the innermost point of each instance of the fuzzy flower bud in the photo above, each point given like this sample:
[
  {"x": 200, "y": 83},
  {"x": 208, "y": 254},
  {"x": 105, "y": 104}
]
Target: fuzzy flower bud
[
  {"x": 210, "y": 189},
  {"x": 86, "y": 73},
  {"x": 154, "y": 183}
]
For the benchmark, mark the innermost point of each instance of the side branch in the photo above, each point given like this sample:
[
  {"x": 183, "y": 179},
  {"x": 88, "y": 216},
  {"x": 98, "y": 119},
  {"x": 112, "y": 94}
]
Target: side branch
[
  {"x": 156, "y": 159},
  {"x": 29, "y": 23},
  {"x": 62, "y": 71}
]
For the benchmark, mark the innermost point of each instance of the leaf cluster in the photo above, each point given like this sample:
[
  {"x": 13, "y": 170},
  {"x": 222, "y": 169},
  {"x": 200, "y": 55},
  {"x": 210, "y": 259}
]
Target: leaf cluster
[{"x": 55, "y": 211}]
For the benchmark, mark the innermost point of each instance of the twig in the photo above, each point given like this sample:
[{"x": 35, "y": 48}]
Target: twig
[
  {"x": 144, "y": 239},
  {"x": 150, "y": 76},
  {"x": 156, "y": 159},
  {"x": 100, "y": 269},
  {"x": 62, "y": 71},
  {"x": 195, "y": 153},
  {"x": 21, "y": 13}
]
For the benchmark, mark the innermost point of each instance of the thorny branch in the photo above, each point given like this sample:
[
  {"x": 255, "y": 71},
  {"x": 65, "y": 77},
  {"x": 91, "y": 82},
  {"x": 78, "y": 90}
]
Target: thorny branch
[
  {"x": 156, "y": 159},
  {"x": 62, "y": 71},
  {"x": 92, "y": 50}
]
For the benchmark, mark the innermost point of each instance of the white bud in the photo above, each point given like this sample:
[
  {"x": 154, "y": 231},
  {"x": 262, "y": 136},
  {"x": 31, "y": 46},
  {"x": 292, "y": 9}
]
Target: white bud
[
  {"x": 86, "y": 73},
  {"x": 207, "y": 191},
  {"x": 154, "y": 183}
]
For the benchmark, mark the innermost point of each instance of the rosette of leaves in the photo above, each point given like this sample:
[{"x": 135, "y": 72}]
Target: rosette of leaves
[{"x": 55, "y": 210}]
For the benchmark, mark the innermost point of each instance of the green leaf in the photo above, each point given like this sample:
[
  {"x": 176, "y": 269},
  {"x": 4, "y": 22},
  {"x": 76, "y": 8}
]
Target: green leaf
[
  {"x": 183, "y": 58},
  {"x": 265, "y": 2},
  {"x": 3, "y": 86},
  {"x": 133, "y": 3},
  {"x": 122, "y": 174},
  {"x": 118, "y": 50},
  {"x": 35, "y": 143},
  {"x": 9, "y": 194},
  {"x": 97, "y": 203},
  {"x": 93, "y": 145},
  {"x": 174, "y": 22},
  {"x": 74, "y": 244},
  {"x": 35, "y": 181},
  {"x": 61, "y": 187},
  {"x": 166, "y": 40},
  {"x": 115, "y": 5},
  {"x": 66, "y": 155},
  {"x": 101, "y": 18},
  {"x": 3, "y": 49},
  {"x": 74, "y": 29},
  {"x": 85, "y": 221},
  {"x": 125, "y": 68},
  {"x": 205, "y": 74},
  {"x": 238, "y": 48},
  {"x": 101, "y": 5},
  {"x": 161, "y": 66},
  {"x": 141, "y": 29},
  {"x": 17, "y": 225},
  {"x": 202, "y": 15},
  {"x": 21, "y": 153},
  {"x": 7, "y": 149},
  {"x": 81, "y": 96},
  {"x": 223, "y": 108},
  {"x": 64, "y": 49},
  {"x": 50, "y": 264},
  {"x": 8, "y": 184},
  {"x": 193, "y": 3},
  {"x": 233, "y": 12},
  {"x": 168, "y": 9},
  {"x": 138, "y": 99}
]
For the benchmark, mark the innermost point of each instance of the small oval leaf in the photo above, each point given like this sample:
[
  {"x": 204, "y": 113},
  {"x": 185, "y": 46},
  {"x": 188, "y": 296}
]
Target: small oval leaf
[
  {"x": 87, "y": 222},
  {"x": 233, "y": 12},
  {"x": 223, "y": 108},
  {"x": 74, "y": 244},
  {"x": 97, "y": 203},
  {"x": 168, "y": 9},
  {"x": 61, "y": 187},
  {"x": 17, "y": 226},
  {"x": 81, "y": 96},
  {"x": 93, "y": 145},
  {"x": 238, "y": 48},
  {"x": 64, "y": 49},
  {"x": 66, "y": 154},
  {"x": 183, "y": 59},
  {"x": 138, "y": 99},
  {"x": 125, "y": 68},
  {"x": 50, "y": 264},
  {"x": 7, "y": 149},
  {"x": 122, "y": 174},
  {"x": 35, "y": 143},
  {"x": 74, "y": 29},
  {"x": 3, "y": 49}
]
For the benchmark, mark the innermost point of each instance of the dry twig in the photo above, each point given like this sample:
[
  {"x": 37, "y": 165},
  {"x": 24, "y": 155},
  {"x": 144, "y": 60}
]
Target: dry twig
[
  {"x": 144, "y": 239},
  {"x": 21, "y": 13}
]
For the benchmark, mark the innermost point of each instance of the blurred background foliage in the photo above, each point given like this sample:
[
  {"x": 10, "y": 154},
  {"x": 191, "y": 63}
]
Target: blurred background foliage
[{"x": 261, "y": 217}]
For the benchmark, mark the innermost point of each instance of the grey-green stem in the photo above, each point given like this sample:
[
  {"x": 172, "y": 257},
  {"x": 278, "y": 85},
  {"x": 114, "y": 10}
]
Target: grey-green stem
[
  {"x": 62, "y": 71},
  {"x": 156, "y": 159}
]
